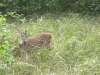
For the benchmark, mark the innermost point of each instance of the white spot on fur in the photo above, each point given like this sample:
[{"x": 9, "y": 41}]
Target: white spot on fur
[{"x": 21, "y": 41}]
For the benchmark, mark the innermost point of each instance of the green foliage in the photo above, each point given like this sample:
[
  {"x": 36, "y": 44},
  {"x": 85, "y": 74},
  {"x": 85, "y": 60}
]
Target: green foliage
[
  {"x": 2, "y": 18},
  {"x": 29, "y": 6},
  {"x": 3, "y": 52},
  {"x": 86, "y": 6},
  {"x": 6, "y": 59}
]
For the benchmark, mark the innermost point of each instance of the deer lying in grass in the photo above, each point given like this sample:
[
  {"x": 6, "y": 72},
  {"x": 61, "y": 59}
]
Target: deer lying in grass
[{"x": 28, "y": 44}]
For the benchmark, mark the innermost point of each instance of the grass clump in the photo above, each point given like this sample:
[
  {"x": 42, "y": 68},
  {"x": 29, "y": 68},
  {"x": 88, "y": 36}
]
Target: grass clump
[{"x": 75, "y": 46}]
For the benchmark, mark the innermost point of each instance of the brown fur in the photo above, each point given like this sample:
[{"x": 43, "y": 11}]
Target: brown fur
[{"x": 41, "y": 40}]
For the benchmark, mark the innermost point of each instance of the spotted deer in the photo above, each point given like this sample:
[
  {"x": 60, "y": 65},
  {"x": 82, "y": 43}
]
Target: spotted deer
[{"x": 27, "y": 44}]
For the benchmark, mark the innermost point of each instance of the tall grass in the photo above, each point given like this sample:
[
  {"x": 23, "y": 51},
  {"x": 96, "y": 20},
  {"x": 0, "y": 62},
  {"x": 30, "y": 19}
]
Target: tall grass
[{"x": 75, "y": 46}]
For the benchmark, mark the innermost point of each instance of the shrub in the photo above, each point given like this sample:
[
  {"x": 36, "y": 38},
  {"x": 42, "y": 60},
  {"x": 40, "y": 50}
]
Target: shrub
[{"x": 30, "y": 6}]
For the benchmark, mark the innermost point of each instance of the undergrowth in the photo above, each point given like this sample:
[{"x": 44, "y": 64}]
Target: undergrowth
[{"x": 75, "y": 46}]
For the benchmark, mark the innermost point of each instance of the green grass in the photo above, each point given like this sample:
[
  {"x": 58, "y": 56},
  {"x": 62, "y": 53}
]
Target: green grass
[{"x": 75, "y": 46}]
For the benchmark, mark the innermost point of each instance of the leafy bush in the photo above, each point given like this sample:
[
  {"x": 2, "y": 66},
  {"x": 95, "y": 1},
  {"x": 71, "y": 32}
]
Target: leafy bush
[
  {"x": 2, "y": 18},
  {"x": 4, "y": 49},
  {"x": 84, "y": 6},
  {"x": 30, "y": 6},
  {"x": 6, "y": 59}
]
